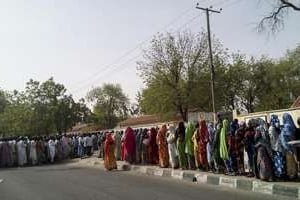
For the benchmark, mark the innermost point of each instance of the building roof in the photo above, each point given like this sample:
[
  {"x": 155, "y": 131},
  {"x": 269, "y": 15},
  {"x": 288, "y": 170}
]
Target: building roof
[
  {"x": 86, "y": 128},
  {"x": 296, "y": 104},
  {"x": 147, "y": 119}
]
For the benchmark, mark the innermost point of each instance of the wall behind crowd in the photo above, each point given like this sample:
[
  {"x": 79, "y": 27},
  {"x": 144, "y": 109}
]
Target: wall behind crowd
[{"x": 294, "y": 112}]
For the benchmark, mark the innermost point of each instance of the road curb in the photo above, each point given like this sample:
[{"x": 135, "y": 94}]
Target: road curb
[{"x": 235, "y": 182}]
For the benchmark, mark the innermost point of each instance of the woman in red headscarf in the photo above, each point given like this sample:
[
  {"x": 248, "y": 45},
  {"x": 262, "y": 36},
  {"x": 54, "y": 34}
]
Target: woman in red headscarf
[
  {"x": 203, "y": 139},
  {"x": 109, "y": 156},
  {"x": 129, "y": 145},
  {"x": 161, "y": 141}
]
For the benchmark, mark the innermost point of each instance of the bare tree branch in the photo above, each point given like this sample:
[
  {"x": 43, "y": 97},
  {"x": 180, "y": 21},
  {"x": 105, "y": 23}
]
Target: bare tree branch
[
  {"x": 275, "y": 20},
  {"x": 289, "y": 4}
]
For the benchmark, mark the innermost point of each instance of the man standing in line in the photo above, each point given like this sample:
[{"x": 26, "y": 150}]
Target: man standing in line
[
  {"x": 84, "y": 141},
  {"x": 89, "y": 145}
]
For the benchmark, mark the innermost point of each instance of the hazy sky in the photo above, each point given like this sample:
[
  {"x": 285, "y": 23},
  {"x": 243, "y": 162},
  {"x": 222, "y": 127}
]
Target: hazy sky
[{"x": 80, "y": 42}]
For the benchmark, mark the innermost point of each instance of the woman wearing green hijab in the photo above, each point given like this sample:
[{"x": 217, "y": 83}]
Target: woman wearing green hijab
[
  {"x": 223, "y": 145},
  {"x": 180, "y": 137},
  {"x": 189, "y": 145}
]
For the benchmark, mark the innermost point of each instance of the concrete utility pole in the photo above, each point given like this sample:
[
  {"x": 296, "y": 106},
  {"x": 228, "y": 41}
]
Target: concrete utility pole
[{"x": 212, "y": 68}]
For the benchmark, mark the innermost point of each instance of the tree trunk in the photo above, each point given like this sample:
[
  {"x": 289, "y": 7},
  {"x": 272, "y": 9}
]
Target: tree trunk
[{"x": 183, "y": 113}]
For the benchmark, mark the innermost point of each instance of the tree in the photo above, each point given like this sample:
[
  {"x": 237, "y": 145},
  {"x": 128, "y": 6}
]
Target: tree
[
  {"x": 43, "y": 108},
  {"x": 15, "y": 118},
  {"x": 231, "y": 83},
  {"x": 256, "y": 83},
  {"x": 134, "y": 109},
  {"x": 3, "y": 100},
  {"x": 110, "y": 104},
  {"x": 263, "y": 84},
  {"x": 275, "y": 19},
  {"x": 175, "y": 70}
]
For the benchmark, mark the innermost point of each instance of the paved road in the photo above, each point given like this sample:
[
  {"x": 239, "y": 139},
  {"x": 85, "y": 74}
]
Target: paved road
[{"x": 62, "y": 182}]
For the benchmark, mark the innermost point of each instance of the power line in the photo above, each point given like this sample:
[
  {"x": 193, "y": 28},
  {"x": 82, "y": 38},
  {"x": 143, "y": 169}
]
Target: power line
[
  {"x": 136, "y": 47},
  {"x": 119, "y": 66},
  {"x": 220, "y": 3},
  {"x": 232, "y": 3},
  {"x": 226, "y": 5},
  {"x": 87, "y": 85},
  {"x": 189, "y": 21},
  {"x": 107, "y": 67}
]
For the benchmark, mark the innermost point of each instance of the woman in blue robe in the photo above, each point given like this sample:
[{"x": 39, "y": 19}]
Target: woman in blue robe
[
  {"x": 288, "y": 134},
  {"x": 263, "y": 153},
  {"x": 278, "y": 158}
]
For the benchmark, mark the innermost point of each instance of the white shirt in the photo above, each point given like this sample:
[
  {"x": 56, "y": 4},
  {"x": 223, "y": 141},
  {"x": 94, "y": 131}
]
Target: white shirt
[{"x": 89, "y": 141}]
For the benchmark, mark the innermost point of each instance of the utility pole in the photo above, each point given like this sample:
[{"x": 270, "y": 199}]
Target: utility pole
[{"x": 212, "y": 68}]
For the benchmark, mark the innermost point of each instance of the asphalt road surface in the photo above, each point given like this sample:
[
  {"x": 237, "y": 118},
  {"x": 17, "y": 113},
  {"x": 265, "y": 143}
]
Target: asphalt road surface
[{"x": 62, "y": 182}]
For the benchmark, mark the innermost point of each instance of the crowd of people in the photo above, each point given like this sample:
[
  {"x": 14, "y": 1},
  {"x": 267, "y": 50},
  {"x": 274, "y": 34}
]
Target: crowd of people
[
  {"x": 30, "y": 151},
  {"x": 258, "y": 148}
]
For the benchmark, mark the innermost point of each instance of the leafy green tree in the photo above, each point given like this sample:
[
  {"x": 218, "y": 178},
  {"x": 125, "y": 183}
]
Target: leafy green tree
[
  {"x": 230, "y": 83},
  {"x": 176, "y": 73},
  {"x": 110, "y": 104},
  {"x": 263, "y": 84},
  {"x": 3, "y": 100},
  {"x": 15, "y": 119},
  {"x": 43, "y": 108}
]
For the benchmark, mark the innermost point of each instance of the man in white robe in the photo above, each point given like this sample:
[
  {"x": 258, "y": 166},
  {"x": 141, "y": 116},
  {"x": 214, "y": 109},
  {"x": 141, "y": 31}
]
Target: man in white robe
[
  {"x": 51, "y": 144},
  {"x": 33, "y": 154},
  {"x": 22, "y": 156}
]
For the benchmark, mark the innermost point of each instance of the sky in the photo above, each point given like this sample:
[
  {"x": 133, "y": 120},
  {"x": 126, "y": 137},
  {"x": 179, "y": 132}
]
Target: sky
[{"x": 83, "y": 44}]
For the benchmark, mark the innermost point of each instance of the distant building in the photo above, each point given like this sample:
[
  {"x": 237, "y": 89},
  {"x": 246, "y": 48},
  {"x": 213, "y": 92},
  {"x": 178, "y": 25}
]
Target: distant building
[
  {"x": 196, "y": 115},
  {"x": 148, "y": 121}
]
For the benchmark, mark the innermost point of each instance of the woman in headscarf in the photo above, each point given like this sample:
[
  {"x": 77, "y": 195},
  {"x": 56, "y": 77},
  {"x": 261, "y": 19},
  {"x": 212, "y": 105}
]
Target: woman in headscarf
[
  {"x": 110, "y": 162},
  {"x": 250, "y": 147},
  {"x": 117, "y": 139},
  {"x": 216, "y": 145},
  {"x": 40, "y": 150},
  {"x": 138, "y": 145},
  {"x": 122, "y": 146},
  {"x": 153, "y": 148},
  {"x": 203, "y": 140},
  {"x": 232, "y": 145},
  {"x": 278, "y": 158},
  {"x": 161, "y": 141},
  {"x": 129, "y": 145},
  {"x": 209, "y": 146},
  {"x": 145, "y": 146},
  {"x": 173, "y": 154},
  {"x": 239, "y": 138},
  {"x": 195, "y": 140},
  {"x": 189, "y": 145},
  {"x": 180, "y": 135},
  {"x": 264, "y": 170},
  {"x": 288, "y": 134},
  {"x": 223, "y": 145}
]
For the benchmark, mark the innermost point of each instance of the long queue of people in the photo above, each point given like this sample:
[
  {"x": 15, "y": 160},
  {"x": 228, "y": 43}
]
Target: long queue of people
[
  {"x": 30, "y": 151},
  {"x": 259, "y": 148}
]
